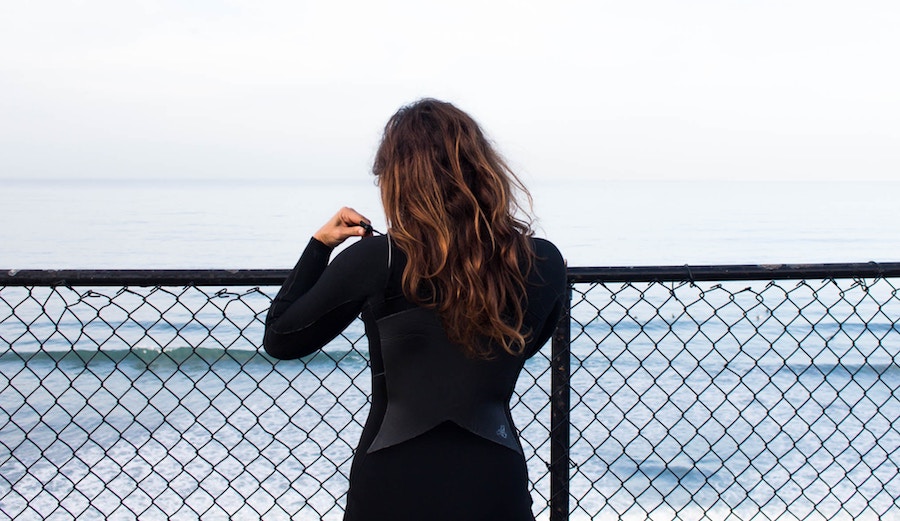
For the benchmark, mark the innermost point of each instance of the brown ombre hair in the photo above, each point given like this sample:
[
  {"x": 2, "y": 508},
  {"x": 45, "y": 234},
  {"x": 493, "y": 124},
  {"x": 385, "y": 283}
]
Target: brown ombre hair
[{"x": 451, "y": 207}]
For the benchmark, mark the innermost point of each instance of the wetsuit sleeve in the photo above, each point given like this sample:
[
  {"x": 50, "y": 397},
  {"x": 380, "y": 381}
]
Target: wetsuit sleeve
[
  {"x": 548, "y": 300},
  {"x": 318, "y": 300}
]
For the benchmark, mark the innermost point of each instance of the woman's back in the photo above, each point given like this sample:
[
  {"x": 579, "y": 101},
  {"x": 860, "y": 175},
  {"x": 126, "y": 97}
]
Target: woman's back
[{"x": 440, "y": 430}]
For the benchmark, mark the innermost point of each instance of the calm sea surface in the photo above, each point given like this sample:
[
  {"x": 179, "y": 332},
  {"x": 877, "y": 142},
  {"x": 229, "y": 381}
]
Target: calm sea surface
[{"x": 155, "y": 224}]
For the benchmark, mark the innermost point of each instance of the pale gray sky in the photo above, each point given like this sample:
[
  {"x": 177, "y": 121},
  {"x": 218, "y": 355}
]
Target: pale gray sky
[{"x": 591, "y": 89}]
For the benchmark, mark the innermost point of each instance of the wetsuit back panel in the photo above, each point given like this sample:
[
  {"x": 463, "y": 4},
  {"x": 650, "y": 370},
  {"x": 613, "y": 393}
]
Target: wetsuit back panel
[{"x": 430, "y": 380}]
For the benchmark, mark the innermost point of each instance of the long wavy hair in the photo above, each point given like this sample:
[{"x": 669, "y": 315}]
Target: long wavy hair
[{"x": 451, "y": 206}]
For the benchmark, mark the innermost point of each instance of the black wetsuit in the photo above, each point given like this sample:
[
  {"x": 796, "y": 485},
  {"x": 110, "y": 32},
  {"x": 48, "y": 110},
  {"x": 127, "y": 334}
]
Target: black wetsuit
[{"x": 439, "y": 442}]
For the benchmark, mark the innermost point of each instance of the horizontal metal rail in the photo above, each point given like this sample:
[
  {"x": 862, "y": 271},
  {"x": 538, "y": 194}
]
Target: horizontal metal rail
[
  {"x": 726, "y": 272},
  {"x": 268, "y": 277}
]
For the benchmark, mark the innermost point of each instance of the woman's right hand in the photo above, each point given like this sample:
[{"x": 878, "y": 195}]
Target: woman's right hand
[{"x": 342, "y": 226}]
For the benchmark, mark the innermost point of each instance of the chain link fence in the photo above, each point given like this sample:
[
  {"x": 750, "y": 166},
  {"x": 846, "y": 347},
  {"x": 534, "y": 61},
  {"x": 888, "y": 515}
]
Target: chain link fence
[{"x": 694, "y": 393}]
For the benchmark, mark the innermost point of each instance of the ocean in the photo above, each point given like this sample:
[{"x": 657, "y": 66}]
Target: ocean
[{"x": 266, "y": 224}]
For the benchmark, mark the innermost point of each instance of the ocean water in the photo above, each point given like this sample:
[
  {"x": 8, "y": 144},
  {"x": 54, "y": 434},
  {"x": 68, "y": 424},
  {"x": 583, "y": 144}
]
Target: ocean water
[
  {"x": 265, "y": 224},
  {"x": 223, "y": 383}
]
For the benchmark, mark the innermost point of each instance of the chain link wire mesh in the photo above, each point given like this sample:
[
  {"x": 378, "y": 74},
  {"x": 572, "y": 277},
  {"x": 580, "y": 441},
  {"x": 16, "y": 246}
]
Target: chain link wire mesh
[
  {"x": 743, "y": 401},
  {"x": 155, "y": 403},
  {"x": 736, "y": 400}
]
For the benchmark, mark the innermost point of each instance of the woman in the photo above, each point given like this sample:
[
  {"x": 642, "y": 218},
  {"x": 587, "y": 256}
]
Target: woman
[{"x": 454, "y": 298}]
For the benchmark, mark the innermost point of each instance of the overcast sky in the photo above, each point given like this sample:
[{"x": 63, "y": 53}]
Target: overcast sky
[{"x": 684, "y": 89}]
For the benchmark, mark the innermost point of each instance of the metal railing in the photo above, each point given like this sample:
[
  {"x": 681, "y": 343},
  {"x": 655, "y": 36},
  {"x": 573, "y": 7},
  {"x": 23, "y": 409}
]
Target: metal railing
[{"x": 692, "y": 392}]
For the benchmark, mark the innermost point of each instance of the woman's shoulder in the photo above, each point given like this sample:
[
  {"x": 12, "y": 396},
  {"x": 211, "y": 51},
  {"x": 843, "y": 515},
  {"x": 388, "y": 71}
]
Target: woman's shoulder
[
  {"x": 368, "y": 252},
  {"x": 363, "y": 265},
  {"x": 549, "y": 265},
  {"x": 546, "y": 251}
]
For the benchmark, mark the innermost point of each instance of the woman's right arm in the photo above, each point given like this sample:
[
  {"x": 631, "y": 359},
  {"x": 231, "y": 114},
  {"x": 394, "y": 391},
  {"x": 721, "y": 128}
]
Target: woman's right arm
[{"x": 548, "y": 301}]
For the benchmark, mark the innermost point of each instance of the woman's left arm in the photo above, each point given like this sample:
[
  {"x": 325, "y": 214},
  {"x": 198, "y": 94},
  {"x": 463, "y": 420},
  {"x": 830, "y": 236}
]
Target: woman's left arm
[{"x": 318, "y": 301}]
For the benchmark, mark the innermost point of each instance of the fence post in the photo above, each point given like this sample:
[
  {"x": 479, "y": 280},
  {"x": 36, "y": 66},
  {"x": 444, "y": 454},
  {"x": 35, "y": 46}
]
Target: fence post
[{"x": 559, "y": 414}]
